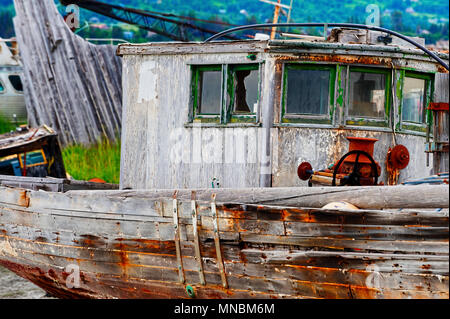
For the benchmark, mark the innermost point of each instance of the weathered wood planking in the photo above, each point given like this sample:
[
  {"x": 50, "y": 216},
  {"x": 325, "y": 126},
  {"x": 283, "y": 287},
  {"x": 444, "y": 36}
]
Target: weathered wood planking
[
  {"x": 131, "y": 246},
  {"x": 441, "y": 124},
  {"x": 70, "y": 84},
  {"x": 51, "y": 184},
  {"x": 379, "y": 197}
]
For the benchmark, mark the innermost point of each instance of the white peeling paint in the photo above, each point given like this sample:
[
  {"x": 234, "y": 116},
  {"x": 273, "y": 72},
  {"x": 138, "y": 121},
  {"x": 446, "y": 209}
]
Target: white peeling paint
[
  {"x": 6, "y": 249},
  {"x": 147, "y": 82}
]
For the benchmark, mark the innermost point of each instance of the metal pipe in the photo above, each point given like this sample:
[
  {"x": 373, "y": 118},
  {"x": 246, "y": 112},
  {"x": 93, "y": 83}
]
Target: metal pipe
[{"x": 343, "y": 25}]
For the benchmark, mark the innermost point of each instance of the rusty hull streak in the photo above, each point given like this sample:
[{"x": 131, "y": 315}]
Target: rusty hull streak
[
  {"x": 53, "y": 281},
  {"x": 24, "y": 199},
  {"x": 344, "y": 59}
]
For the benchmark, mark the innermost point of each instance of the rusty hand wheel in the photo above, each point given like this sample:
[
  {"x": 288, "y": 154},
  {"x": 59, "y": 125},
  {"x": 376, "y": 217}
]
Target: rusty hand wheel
[{"x": 354, "y": 177}]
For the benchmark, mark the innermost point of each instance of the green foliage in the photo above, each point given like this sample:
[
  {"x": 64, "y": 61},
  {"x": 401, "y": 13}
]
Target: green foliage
[
  {"x": 410, "y": 17},
  {"x": 97, "y": 161},
  {"x": 6, "y": 22}
]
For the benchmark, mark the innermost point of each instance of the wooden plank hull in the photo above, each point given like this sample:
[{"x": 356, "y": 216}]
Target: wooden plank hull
[{"x": 125, "y": 247}]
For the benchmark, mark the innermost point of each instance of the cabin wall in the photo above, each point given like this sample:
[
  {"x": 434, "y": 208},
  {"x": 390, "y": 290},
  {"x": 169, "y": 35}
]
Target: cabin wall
[
  {"x": 322, "y": 147},
  {"x": 161, "y": 150}
]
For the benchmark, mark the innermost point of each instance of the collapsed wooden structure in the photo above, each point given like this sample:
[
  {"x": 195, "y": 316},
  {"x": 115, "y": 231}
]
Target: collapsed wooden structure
[{"x": 70, "y": 84}]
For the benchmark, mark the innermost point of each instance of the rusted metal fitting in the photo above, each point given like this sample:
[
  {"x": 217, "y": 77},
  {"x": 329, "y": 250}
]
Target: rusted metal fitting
[
  {"x": 398, "y": 157},
  {"x": 305, "y": 171},
  {"x": 438, "y": 106}
]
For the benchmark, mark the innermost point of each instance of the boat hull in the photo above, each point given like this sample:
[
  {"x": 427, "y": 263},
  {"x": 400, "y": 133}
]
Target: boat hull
[{"x": 107, "y": 244}]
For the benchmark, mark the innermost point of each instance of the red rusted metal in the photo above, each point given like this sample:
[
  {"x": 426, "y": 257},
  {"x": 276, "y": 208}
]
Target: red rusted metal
[
  {"x": 438, "y": 106},
  {"x": 304, "y": 171},
  {"x": 398, "y": 157},
  {"x": 364, "y": 163},
  {"x": 97, "y": 180},
  {"x": 360, "y": 144}
]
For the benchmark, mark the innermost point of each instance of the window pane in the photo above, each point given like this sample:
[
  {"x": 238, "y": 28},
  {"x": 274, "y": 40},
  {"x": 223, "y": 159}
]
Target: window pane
[
  {"x": 367, "y": 94},
  {"x": 2, "y": 88},
  {"x": 16, "y": 82},
  {"x": 413, "y": 100},
  {"x": 211, "y": 87},
  {"x": 246, "y": 91},
  {"x": 308, "y": 91}
]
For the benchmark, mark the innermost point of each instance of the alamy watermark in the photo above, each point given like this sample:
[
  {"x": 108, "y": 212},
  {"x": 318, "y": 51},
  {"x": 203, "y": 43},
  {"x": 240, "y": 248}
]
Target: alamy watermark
[
  {"x": 373, "y": 18},
  {"x": 231, "y": 146},
  {"x": 73, "y": 16},
  {"x": 73, "y": 279}
]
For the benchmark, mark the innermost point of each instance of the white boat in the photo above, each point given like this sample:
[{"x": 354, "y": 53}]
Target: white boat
[{"x": 12, "y": 100}]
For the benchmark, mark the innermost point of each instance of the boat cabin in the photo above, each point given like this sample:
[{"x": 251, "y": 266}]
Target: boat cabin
[{"x": 247, "y": 113}]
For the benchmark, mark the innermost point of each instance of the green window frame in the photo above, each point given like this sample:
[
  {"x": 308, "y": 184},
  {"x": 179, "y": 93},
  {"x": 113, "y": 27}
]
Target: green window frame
[
  {"x": 197, "y": 74},
  {"x": 237, "y": 117},
  {"x": 353, "y": 120},
  {"x": 429, "y": 87},
  {"x": 325, "y": 118},
  {"x": 228, "y": 93}
]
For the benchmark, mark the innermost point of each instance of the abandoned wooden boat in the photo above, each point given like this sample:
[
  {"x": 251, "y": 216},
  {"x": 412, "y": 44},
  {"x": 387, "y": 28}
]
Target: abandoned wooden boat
[{"x": 215, "y": 137}]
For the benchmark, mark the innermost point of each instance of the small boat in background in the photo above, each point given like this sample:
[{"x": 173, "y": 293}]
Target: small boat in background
[{"x": 12, "y": 100}]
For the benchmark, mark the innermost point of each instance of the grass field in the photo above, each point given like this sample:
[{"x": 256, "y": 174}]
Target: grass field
[
  {"x": 97, "y": 161},
  {"x": 6, "y": 126}
]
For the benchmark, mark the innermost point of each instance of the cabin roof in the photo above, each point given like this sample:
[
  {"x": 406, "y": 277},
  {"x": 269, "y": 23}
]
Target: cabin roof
[{"x": 333, "y": 45}]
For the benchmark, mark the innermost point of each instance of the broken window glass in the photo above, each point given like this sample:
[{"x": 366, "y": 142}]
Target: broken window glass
[
  {"x": 413, "y": 106},
  {"x": 16, "y": 82},
  {"x": 308, "y": 91},
  {"x": 246, "y": 91},
  {"x": 367, "y": 94},
  {"x": 210, "y": 92}
]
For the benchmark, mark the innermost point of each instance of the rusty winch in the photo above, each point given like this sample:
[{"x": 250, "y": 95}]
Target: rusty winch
[{"x": 357, "y": 167}]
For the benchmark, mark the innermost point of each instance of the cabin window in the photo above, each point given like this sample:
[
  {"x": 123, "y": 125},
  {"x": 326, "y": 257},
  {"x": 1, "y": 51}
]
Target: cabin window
[
  {"x": 416, "y": 93},
  {"x": 2, "y": 88},
  {"x": 368, "y": 96},
  {"x": 243, "y": 91},
  {"x": 225, "y": 93},
  {"x": 413, "y": 103},
  {"x": 207, "y": 91},
  {"x": 16, "y": 82},
  {"x": 308, "y": 92}
]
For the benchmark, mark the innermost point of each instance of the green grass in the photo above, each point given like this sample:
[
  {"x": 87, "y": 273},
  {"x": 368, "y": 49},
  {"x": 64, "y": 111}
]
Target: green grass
[
  {"x": 101, "y": 160},
  {"x": 6, "y": 126}
]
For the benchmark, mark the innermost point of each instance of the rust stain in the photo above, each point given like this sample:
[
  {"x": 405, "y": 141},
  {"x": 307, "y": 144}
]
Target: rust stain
[
  {"x": 24, "y": 199},
  {"x": 92, "y": 241},
  {"x": 348, "y": 59},
  {"x": 418, "y": 226},
  {"x": 124, "y": 261},
  {"x": 441, "y": 69}
]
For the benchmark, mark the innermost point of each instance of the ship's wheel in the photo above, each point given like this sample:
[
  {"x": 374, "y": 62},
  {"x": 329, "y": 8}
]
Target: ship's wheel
[{"x": 354, "y": 178}]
